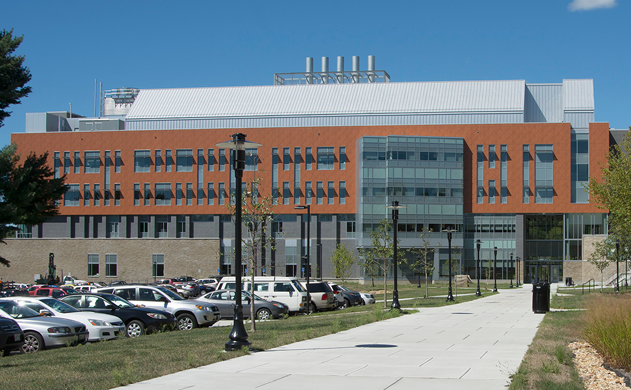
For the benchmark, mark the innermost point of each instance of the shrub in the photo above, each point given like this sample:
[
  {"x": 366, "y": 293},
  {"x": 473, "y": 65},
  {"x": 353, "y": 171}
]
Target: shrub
[{"x": 608, "y": 328}]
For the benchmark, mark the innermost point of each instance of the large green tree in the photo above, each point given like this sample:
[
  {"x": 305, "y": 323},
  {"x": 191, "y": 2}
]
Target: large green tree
[
  {"x": 29, "y": 193},
  {"x": 13, "y": 74},
  {"x": 612, "y": 191}
]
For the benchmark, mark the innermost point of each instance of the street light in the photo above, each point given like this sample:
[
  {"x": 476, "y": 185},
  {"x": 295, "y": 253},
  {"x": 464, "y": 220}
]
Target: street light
[
  {"x": 495, "y": 270},
  {"x": 617, "y": 266},
  {"x": 478, "y": 243},
  {"x": 238, "y": 335},
  {"x": 517, "y": 269},
  {"x": 509, "y": 265},
  {"x": 308, "y": 266},
  {"x": 395, "y": 218},
  {"x": 449, "y": 231}
]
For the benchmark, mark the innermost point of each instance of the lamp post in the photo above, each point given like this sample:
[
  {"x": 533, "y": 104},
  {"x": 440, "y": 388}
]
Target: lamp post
[
  {"x": 478, "y": 243},
  {"x": 238, "y": 335},
  {"x": 449, "y": 231},
  {"x": 395, "y": 218},
  {"x": 617, "y": 266},
  {"x": 495, "y": 270},
  {"x": 308, "y": 266},
  {"x": 509, "y": 265},
  {"x": 517, "y": 269}
]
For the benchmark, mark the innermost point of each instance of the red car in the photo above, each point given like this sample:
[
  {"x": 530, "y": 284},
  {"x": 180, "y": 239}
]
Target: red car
[{"x": 54, "y": 292}]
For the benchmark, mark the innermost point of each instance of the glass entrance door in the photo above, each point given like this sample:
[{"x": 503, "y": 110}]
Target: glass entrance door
[{"x": 554, "y": 278}]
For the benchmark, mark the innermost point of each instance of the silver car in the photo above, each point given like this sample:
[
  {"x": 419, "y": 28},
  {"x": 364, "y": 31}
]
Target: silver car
[
  {"x": 225, "y": 301},
  {"x": 43, "y": 332},
  {"x": 101, "y": 326},
  {"x": 189, "y": 314}
]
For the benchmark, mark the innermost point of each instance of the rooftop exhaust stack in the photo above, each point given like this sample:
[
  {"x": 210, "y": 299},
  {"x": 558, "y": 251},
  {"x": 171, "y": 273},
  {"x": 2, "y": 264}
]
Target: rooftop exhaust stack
[
  {"x": 325, "y": 70},
  {"x": 340, "y": 69},
  {"x": 371, "y": 69},
  {"x": 355, "y": 69},
  {"x": 309, "y": 70}
]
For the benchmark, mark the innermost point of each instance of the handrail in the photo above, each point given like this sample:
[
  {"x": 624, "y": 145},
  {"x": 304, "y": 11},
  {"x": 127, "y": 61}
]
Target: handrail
[{"x": 589, "y": 284}]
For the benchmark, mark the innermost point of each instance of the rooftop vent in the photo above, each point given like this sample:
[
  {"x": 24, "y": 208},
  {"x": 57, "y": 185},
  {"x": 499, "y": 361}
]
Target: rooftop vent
[{"x": 340, "y": 76}]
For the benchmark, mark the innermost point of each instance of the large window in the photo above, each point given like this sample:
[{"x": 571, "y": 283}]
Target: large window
[
  {"x": 157, "y": 265},
  {"x": 163, "y": 194},
  {"x": 92, "y": 162},
  {"x": 72, "y": 196},
  {"x": 342, "y": 192},
  {"x": 331, "y": 192},
  {"x": 544, "y": 178},
  {"x": 142, "y": 161},
  {"x": 143, "y": 226},
  {"x": 113, "y": 225},
  {"x": 480, "y": 174},
  {"x": 162, "y": 226},
  {"x": 93, "y": 265},
  {"x": 111, "y": 262},
  {"x": 320, "y": 192},
  {"x": 184, "y": 160},
  {"x": 326, "y": 158}
]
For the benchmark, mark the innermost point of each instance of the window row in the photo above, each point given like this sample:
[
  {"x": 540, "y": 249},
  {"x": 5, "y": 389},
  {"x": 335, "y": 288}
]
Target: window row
[
  {"x": 111, "y": 263},
  {"x": 412, "y": 191},
  {"x": 412, "y": 155}
]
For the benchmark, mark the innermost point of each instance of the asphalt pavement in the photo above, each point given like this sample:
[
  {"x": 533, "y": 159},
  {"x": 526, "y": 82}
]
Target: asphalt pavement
[{"x": 472, "y": 345}]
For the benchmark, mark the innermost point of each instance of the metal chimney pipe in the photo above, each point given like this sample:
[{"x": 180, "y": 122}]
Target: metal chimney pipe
[
  {"x": 309, "y": 70},
  {"x": 340, "y": 69},
  {"x": 371, "y": 69},
  {"x": 355, "y": 69},
  {"x": 325, "y": 70}
]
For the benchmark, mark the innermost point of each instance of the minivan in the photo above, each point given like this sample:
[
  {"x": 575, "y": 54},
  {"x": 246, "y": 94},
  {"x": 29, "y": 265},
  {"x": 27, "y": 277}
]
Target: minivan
[{"x": 272, "y": 288}]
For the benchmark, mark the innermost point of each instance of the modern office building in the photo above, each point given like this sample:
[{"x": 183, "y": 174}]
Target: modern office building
[{"x": 504, "y": 162}]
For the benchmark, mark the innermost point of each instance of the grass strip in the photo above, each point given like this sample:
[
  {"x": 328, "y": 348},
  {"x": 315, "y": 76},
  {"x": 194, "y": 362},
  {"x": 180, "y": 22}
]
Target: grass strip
[{"x": 116, "y": 363}]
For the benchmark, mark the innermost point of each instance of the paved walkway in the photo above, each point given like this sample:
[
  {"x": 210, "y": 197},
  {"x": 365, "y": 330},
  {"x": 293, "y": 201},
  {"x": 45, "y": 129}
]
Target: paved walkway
[{"x": 472, "y": 345}]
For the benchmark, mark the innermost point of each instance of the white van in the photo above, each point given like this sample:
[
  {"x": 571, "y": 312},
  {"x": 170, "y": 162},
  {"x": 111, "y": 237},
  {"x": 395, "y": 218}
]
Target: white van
[{"x": 272, "y": 288}]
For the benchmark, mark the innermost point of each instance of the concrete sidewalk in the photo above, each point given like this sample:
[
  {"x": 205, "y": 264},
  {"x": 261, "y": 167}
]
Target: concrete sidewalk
[{"x": 472, "y": 345}]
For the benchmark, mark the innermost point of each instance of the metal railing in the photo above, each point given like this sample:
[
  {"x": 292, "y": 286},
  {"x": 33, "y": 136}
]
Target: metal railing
[{"x": 591, "y": 284}]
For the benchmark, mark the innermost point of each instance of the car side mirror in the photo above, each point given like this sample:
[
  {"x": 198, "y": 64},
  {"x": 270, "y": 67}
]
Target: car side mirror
[
  {"x": 111, "y": 307},
  {"x": 45, "y": 313}
]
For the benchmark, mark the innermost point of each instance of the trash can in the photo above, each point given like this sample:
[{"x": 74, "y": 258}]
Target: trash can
[
  {"x": 541, "y": 297},
  {"x": 569, "y": 282}
]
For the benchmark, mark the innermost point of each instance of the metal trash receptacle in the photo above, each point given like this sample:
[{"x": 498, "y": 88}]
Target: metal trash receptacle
[
  {"x": 541, "y": 297},
  {"x": 569, "y": 282}
]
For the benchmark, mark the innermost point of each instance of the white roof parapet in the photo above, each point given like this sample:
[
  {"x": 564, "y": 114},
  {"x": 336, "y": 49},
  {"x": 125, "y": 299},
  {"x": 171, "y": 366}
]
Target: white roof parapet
[{"x": 330, "y": 99}]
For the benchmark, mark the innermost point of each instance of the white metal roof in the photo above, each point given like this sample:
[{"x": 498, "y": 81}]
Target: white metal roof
[
  {"x": 332, "y": 99},
  {"x": 578, "y": 95}
]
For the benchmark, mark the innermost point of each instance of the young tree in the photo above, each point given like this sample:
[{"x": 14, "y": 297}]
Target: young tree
[
  {"x": 604, "y": 253},
  {"x": 381, "y": 253},
  {"x": 28, "y": 193},
  {"x": 455, "y": 265},
  {"x": 13, "y": 74},
  {"x": 425, "y": 259},
  {"x": 257, "y": 214},
  {"x": 342, "y": 260}
]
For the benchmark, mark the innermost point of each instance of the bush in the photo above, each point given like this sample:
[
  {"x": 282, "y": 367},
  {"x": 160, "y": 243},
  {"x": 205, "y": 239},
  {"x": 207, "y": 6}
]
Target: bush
[{"x": 608, "y": 328}]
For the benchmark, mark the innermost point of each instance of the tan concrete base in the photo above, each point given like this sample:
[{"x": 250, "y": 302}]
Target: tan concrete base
[{"x": 28, "y": 257}]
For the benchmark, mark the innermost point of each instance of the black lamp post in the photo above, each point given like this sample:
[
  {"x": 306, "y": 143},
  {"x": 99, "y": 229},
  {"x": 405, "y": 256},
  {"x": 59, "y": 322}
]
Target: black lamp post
[
  {"x": 495, "y": 270},
  {"x": 238, "y": 335},
  {"x": 478, "y": 243},
  {"x": 449, "y": 231},
  {"x": 395, "y": 218},
  {"x": 517, "y": 269},
  {"x": 617, "y": 266},
  {"x": 308, "y": 266},
  {"x": 509, "y": 265}
]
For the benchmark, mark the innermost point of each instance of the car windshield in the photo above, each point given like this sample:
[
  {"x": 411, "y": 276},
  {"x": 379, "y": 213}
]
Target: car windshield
[
  {"x": 298, "y": 286},
  {"x": 170, "y": 294},
  {"x": 246, "y": 294},
  {"x": 61, "y": 307},
  {"x": 118, "y": 301},
  {"x": 17, "y": 311},
  {"x": 344, "y": 288},
  {"x": 70, "y": 290}
]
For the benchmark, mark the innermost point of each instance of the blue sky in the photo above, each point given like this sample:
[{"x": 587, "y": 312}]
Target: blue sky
[{"x": 169, "y": 44}]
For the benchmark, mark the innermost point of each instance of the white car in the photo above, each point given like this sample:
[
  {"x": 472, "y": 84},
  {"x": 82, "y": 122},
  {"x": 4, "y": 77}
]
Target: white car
[
  {"x": 369, "y": 299},
  {"x": 43, "y": 332},
  {"x": 101, "y": 326}
]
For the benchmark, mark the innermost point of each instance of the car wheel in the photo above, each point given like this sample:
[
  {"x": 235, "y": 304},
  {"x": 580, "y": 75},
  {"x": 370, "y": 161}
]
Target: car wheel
[
  {"x": 264, "y": 314},
  {"x": 346, "y": 304},
  {"x": 186, "y": 322},
  {"x": 33, "y": 342},
  {"x": 313, "y": 308},
  {"x": 135, "y": 329}
]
